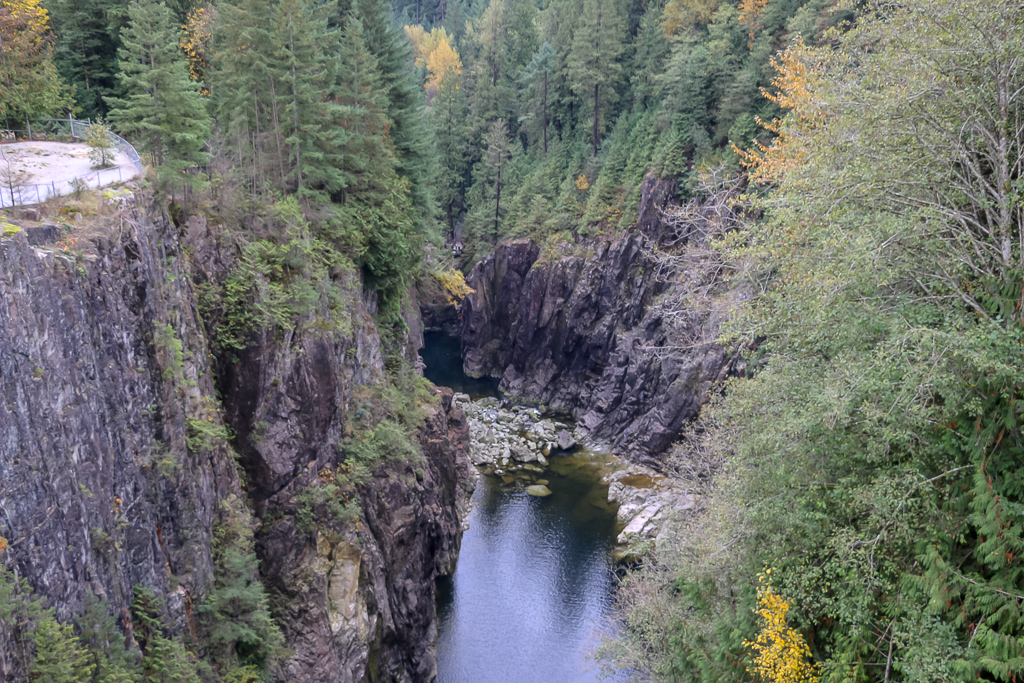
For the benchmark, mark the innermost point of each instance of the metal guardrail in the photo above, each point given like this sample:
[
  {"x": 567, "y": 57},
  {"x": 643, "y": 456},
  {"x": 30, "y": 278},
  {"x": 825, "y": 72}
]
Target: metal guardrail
[{"x": 63, "y": 129}]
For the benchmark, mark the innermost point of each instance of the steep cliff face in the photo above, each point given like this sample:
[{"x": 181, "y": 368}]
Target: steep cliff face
[
  {"x": 581, "y": 334},
  {"x": 102, "y": 364},
  {"x": 109, "y": 475},
  {"x": 358, "y": 602}
]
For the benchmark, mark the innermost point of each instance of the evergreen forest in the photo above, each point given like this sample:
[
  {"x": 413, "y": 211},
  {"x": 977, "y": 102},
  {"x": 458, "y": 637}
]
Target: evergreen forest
[{"x": 862, "y": 482}]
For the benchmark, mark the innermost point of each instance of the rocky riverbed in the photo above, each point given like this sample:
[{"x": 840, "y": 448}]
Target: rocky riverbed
[{"x": 516, "y": 443}]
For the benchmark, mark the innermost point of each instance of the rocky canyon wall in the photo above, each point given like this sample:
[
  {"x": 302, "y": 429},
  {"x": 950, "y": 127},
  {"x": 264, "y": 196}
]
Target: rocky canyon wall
[
  {"x": 115, "y": 462},
  {"x": 584, "y": 333}
]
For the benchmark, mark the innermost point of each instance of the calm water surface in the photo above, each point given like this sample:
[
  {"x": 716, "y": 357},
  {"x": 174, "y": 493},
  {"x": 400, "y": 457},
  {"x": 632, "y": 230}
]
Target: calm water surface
[{"x": 531, "y": 594}]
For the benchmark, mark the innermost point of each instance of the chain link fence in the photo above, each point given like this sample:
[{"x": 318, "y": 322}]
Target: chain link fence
[{"x": 13, "y": 193}]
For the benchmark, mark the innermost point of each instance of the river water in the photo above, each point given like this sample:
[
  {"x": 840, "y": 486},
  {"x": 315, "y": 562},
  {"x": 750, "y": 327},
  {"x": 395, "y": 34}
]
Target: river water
[{"x": 531, "y": 595}]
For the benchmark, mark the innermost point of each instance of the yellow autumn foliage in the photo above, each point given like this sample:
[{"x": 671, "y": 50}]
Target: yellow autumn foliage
[
  {"x": 27, "y": 17},
  {"x": 782, "y": 654},
  {"x": 453, "y": 284},
  {"x": 195, "y": 41},
  {"x": 424, "y": 43},
  {"x": 787, "y": 150},
  {"x": 442, "y": 61},
  {"x": 750, "y": 16}
]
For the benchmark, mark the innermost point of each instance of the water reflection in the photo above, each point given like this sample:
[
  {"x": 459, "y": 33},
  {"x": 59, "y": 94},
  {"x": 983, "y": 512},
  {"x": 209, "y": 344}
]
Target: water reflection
[
  {"x": 442, "y": 358},
  {"x": 530, "y": 597}
]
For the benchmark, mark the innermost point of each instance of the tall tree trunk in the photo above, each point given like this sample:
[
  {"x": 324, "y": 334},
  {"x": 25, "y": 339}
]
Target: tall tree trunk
[
  {"x": 158, "y": 142},
  {"x": 596, "y": 124},
  {"x": 295, "y": 109},
  {"x": 545, "y": 117},
  {"x": 277, "y": 132}
]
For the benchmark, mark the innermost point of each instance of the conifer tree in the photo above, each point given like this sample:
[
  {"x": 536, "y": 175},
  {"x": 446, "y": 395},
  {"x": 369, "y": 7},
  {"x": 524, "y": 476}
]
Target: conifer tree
[
  {"x": 163, "y": 660},
  {"x": 162, "y": 109},
  {"x": 114, "y": 662},
  {"x": 449, "y": 116},
  {"x": 363, "y": 110},
  {"x": 60, "y": 656},
  {"x": 593, "y": 63},
  {"x": 243, "y": 91},
  {"x": 497, "y": 153},
  {"x": 537, "y": 74},
  {"x": 409, "y": 133},
  {"x": 242, "y": 632},
  {"x": 88, "y": 36},
  {"x": 303, "y": 68}
]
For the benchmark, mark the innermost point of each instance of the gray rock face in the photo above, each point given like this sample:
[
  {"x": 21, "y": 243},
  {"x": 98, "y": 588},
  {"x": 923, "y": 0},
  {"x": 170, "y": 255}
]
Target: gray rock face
[
  {"x": 571, "y": 334},
  {"x": 363, "y": 599},
  {"x": 98, "y": 489},
  {"x": 104, "y": 363}
]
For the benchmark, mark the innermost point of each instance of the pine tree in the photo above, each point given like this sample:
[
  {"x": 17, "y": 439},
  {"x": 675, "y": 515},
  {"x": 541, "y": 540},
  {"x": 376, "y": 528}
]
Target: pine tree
[
  {"x": 163, "y": 660},
  {"x": 60, "y": 656},
  {"x": 409, "y": 132},
  {"x": 162, "y": 108},
  {"x": 88, "y": 36},
  {"x": 593, "y": 63},
  {"x": 363, "y": 111},
  {"x": 495, "y": 157},
  {"x": 114, "y": 662},
  {"x": 537, "y": 74},
  {"x": 243, "y": 91},
  {"x": 307, "y": 111},
  {"x": 449, "y": 115},
  {"x": 241, "y": 630}
]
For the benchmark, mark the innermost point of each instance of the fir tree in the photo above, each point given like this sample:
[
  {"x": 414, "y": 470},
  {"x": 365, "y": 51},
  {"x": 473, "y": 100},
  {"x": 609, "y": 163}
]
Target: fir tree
[
  {"x": 88, "y": 36},
  {"x": 537, "y": 74},
  {"x": 409, "y": 132},
  {"x": 242, "y": 632},
  {"x": 363, "y": 110},
  {"x": 449, "y": 117},
  {"x": 162, "y": 108},
  {"x": 243, "y": 91},
  {"x": 114, "y": 662},
  {"x": 60, "y": 656},
  {"x": 495, "y": 157},
  {"x": 593, "y": 65},
  {"x": 307, "y": 111},
  {"x": 163, "y": 660}
]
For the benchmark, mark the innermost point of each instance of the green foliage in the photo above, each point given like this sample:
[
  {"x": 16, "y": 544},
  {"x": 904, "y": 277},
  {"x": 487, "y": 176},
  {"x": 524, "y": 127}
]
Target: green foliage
[
  {"x": 243, "y": 638},
  {"x": 170, "y": 352},
  {"x": 293, "y": 283},
  {"x": 88, "y": 37},
  {"x": 205, "y": 431},
  {"x": 102, "y": 151},
  {"x": 872, "y": 455},
  {"x": 163, "y": 660},
  {"x": 110, "y": 656},
  {"x": 29, "y": 83},
  {"x": 381, "y": 431},
  {"x": 60, "y": 656},
  {"x": 162, "y": 110}
]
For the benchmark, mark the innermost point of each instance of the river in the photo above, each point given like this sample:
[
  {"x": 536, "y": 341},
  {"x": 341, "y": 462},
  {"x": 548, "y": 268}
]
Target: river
[{"x": 531, "y": 594}]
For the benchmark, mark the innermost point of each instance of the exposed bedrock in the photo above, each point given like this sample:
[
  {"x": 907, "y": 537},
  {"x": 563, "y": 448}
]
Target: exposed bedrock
[
  {"x": 106, "y": 480},
  {"x": 102, "y": 363},
  {"x": 578, "y": 333}
]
